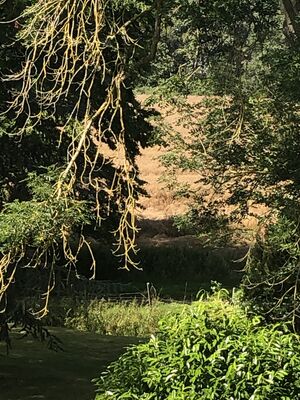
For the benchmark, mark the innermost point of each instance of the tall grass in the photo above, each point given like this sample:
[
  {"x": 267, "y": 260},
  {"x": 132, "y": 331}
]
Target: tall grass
[
  {"x": 171, "y": 264},
  {"x": 110, "y": 318}
]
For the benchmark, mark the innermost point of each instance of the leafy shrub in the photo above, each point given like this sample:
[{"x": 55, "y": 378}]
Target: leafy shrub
[{"x": 211, "y": 351}]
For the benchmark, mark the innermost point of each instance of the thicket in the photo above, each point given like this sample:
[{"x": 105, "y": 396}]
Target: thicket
[
  {"x": 211, "y": 350},
  {"x": 70, "y": 129}
]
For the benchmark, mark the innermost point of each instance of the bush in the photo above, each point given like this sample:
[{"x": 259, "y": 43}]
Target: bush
[{"x": 211, "y": 351}]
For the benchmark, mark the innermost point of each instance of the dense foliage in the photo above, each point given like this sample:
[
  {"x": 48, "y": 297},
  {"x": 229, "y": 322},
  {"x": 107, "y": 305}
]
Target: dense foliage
[
  {"x": 70, "y": 129},
  {"x": 271, "y": 283},
  {"x": 211, "y": 351},
  {"x": 204, "y": 40},
  {"x": 244, "y": 143}
]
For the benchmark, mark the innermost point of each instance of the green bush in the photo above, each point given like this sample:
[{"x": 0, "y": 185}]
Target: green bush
[{"x": 211, "y": 351}]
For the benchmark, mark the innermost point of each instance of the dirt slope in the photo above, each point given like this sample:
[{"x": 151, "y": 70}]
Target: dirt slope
[
  {"x": 157, "y": 210},
  {"x": 161, "y": 203}
]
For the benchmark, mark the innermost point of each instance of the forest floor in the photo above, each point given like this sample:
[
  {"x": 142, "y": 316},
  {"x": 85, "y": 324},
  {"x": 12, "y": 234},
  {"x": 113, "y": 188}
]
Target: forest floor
[{"x": 32, "y": 371}]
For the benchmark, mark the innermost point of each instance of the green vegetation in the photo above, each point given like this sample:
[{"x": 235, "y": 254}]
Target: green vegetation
[
  {"x": 70, "y": 133},
  {"x": 209, "y": 351},
  {"x": 70, "y": 118},
  {"x": 172, "y": 264},
  {"x": 271, "y": 284},
  {"x": 110, "y": 318},
  {"x": 244, "y": 142}
]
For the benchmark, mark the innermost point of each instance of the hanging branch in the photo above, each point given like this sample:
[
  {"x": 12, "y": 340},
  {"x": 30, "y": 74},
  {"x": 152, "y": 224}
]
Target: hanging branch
[{"x": 74, "y": 49}]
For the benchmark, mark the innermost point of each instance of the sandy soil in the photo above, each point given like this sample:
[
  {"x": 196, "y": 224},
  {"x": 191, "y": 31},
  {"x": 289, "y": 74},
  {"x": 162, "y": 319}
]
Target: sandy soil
[{"x": 161, "y": 204}]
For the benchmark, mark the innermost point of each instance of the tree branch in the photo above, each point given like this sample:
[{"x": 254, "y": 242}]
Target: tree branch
[{"x": 156, "y": 36}]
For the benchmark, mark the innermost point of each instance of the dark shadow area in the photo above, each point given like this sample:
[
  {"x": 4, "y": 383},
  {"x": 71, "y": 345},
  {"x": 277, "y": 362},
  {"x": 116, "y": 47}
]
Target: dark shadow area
[
  {"x": 177, "y": 265},
  {"x": 31, "y": 371}
]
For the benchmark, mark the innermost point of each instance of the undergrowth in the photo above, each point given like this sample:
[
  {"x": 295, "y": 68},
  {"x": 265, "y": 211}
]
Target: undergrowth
[{"x": 209, "y": 351}]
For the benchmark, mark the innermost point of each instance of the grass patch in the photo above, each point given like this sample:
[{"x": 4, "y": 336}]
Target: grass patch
[
  {"x": 31, "y": 371},
  {"x": 108, "y": 318}
]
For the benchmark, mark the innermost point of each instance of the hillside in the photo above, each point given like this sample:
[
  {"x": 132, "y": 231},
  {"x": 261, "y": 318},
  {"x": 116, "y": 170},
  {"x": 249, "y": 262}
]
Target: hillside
[{"x": 161, "y": 205}]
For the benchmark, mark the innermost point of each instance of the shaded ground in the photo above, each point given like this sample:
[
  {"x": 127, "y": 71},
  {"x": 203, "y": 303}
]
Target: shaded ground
[{"x": 31, "y": 371}]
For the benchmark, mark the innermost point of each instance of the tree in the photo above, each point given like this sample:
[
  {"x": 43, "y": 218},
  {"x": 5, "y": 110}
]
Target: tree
[
  {"x": 291, "y": 9},
  {"x": 201, "y": 38},
  {"x": 70, "y": 130},
  {"x": 246, "y": 145}
]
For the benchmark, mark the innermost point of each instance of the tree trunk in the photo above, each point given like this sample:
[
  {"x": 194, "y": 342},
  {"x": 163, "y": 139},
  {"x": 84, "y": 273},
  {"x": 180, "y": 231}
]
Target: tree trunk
[{"x": 291, "y": 10}]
